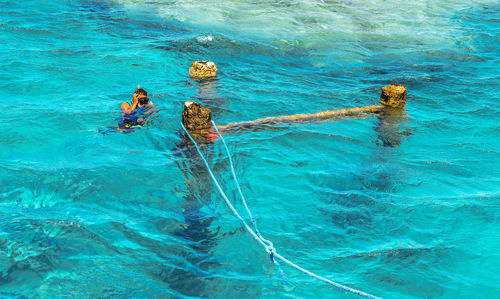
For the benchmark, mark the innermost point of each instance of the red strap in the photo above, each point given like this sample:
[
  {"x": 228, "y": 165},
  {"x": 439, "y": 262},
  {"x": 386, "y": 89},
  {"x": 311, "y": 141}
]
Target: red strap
[{"x": 212, "y": 135}]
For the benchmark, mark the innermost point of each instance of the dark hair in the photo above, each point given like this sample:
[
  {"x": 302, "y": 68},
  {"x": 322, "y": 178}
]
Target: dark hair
[{"x": 141, "y": 91}]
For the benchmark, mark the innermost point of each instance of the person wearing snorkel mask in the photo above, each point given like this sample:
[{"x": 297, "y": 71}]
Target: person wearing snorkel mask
[{"x": 135, "y": 114}]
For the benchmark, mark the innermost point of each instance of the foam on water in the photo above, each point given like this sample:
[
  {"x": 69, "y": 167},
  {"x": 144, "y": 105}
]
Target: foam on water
[{"x": 403, "y": 206}]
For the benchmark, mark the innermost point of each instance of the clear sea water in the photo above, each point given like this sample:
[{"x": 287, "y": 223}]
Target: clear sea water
[{"x": 397, "y": 207}]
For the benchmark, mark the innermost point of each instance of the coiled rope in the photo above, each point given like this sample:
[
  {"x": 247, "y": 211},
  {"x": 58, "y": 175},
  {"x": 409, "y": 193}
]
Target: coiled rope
[{"x": 268, "y": 245}]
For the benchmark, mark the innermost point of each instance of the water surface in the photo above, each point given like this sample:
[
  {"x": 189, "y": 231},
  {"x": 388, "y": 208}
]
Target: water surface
[{"x": 400, "y": 207}]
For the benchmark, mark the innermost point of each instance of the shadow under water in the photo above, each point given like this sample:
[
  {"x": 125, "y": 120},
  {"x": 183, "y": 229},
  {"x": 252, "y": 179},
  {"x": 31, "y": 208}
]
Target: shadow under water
[
  {"x": 389, "y": 127},
  {"x": 196, "y": 230}
]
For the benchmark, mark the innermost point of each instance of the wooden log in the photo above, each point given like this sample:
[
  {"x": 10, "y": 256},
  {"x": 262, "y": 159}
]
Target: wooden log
[
  {"x": 198, "y": 118},
  {"x": 306, "y": 118}
]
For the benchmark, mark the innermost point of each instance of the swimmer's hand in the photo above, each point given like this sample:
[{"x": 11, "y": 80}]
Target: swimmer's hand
[
  {"x": 126, "y": 106},
  {"x": 135, "y": 100}
]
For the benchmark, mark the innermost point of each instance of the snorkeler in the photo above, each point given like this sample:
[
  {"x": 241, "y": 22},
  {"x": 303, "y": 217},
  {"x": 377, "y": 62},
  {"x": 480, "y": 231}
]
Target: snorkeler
[{"x": 138, "y": 112}]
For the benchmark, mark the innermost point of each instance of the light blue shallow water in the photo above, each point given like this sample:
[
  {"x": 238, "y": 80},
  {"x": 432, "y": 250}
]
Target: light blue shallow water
[{"x": 400, "y": 208}]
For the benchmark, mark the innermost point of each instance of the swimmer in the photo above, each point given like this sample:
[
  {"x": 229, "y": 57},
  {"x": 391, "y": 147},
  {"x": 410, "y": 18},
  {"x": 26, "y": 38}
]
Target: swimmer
[{"x": 139, "y": 111}]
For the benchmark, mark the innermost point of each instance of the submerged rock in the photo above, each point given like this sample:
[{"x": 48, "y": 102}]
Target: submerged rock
[
  {"x": 393, "y": 96},
  {"x": 196, "y": 117},
  {"x": 202, "y": 69}
]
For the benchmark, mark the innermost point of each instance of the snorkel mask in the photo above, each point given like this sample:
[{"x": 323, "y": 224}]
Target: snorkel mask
[{"x": 143, "y": 101}]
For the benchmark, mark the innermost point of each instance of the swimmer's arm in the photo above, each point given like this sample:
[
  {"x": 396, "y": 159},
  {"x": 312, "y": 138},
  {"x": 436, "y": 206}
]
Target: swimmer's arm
[
  {"x": 130, "y": 109},
  {"x": 148, "y": 114},
  {"x": 152, "y": 110}
]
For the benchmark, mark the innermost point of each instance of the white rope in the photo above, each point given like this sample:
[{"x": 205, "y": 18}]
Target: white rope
[
  {"x": 239, "y": 188},
  {"x": 269, "y": 245},
  {"x": 269, "y": 248}
]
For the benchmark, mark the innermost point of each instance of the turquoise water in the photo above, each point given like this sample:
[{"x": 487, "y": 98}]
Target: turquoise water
[{"x": 397, "y": 207}]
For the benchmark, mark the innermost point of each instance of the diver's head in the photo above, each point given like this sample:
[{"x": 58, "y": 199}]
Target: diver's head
[{"x": 142, "y": 96}]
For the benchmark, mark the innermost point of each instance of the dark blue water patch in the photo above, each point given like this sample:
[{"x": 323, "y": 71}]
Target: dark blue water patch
[
  {"x": 47, "y": 244},
  {"x": 116, "y": 20},
  {"x": 481, "y": 27},
  {"x": 104, "y": 8},
  {"x": 48, "y": 188},
  {"x": 219, "y": 47},
  {"x": 30, "y": 253},
  {"x": 11, "y": 296},
  {"x": 446, "y": 254}
]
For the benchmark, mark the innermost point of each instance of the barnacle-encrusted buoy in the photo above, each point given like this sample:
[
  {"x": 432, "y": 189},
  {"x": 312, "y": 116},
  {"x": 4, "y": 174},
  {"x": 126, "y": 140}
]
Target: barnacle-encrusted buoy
[
  {"x": 201, "y": 69},
  {"x": 393, "y": 96},
  {"x": 196, "y": 117}
]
